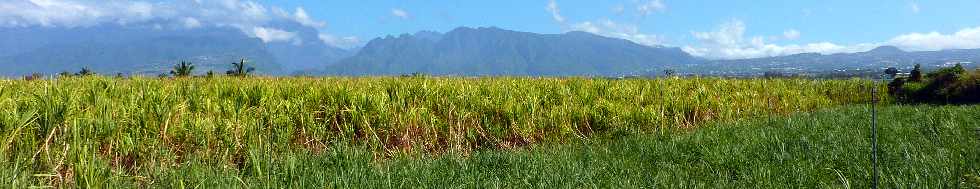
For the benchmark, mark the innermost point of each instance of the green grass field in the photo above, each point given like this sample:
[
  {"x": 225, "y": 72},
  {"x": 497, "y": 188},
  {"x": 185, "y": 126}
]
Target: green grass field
[
  {"x": 455, "y": 132},
  {"x": 922, "y": 147}
]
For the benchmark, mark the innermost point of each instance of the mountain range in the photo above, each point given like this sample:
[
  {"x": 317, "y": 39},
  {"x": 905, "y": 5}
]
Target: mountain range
[
  {"x": 146, "y": 49},
  {"x": 485, "y": 51},
  {"x": 494, "y": 51},
  {"x": 815, "y": 64}
]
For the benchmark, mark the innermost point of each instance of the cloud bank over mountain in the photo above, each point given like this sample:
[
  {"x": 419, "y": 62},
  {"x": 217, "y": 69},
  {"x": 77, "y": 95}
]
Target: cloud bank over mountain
[
  {"x": 729, "y": 41},
  {"x": 249, "y": 17},
  {"x": 610, "y": 28},
  {"x": 968, "y": 38}
]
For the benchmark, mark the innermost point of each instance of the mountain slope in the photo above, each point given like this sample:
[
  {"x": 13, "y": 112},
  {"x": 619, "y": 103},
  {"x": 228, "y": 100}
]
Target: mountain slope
[
  {"x": 309, "y": 53},
  {"x": 494, "y": 51},
  {"x": 147, "y": 54},
  {"x": 147, "y": 49}
]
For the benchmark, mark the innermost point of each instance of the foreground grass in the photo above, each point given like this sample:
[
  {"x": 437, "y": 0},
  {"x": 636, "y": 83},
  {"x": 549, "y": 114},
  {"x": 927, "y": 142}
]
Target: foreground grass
[
  {"x": 93, "y": 130},
  {"x": 921, "y": 147}
]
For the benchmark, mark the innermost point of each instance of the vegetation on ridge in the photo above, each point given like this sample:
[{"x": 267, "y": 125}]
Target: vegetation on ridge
[
  {"x": 953, "y": 85},
  {"x": 184, "y": 69}
]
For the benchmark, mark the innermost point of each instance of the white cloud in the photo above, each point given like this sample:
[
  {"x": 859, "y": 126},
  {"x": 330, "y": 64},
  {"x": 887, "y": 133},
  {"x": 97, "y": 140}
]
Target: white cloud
[
  {"x": 586, "y": 27},
  {"x": 400, "y": 13},
  {"x": 651, "y": 7},
  {"x": 303, "y": 18},
  {"x": 248, "y": 16},
  {"x": 273, "y": 35},
  {"x": 618, "y": 9},
  {"x": 240, "y": 14},
  {"x": 791, "y": 34},
  {"x": 729, "y": 34},
  {"x": 968, "y": 38},
  {"x": 605, "y": 27},
  {"x": 52, "y": 13},
  {"x": 191, "y": 23},
  {"x": 729, "y": 42},
  {"x": 140, "y": 10},
  {"x": 555, "y": 11},
  {"x": 342, "y": 42},
  {"x": 914, "y": 7},
  {"x": 610, "y": 28},
  {"x": 768, "y": 50}
]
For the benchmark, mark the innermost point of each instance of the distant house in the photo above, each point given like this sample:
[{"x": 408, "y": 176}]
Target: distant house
[{"x": 954, "y": 63}]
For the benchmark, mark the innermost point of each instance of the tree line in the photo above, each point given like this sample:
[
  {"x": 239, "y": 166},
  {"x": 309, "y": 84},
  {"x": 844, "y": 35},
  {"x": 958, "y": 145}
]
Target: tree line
[
  {"x": 180, "y": 70},
  {"x": 952, "y": 85}
]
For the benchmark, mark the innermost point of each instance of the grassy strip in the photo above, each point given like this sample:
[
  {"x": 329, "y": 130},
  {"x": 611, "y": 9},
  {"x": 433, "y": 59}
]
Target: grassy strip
[{"x": 921, "y": 147}]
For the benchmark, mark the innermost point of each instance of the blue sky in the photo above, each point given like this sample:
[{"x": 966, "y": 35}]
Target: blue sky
[
  {"x": 841, "y": 21},
  {"x": 712, "y": 29}
]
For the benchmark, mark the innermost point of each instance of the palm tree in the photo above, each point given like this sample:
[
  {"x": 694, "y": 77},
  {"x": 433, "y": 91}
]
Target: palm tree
[
  {"x": 239, "y": 69},
  {"x": 916, "y": 74},
  {"x": 183, "y": 69},
  {"x": 84, "y": 72}
]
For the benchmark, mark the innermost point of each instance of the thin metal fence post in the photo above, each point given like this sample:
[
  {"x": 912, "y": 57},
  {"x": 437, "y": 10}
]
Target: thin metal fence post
[{"x": 874, "y": 134}]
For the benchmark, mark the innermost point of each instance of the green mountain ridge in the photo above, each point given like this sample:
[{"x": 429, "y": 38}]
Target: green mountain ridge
[
  {"x": 495, "y": 51},
  {"x": 145, "y": 50}
]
